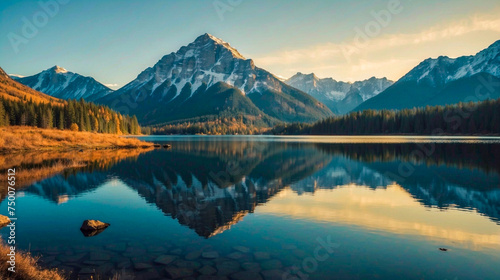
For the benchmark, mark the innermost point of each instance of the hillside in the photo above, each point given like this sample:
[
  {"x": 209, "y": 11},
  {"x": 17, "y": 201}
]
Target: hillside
[{"x": 15, "y": 91}]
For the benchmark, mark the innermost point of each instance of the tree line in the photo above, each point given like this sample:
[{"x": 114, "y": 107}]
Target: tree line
[
  {"x": 463, "y": 118},
  {"x": 74, "y": 115},
  {"x": 227, "y": 122}
]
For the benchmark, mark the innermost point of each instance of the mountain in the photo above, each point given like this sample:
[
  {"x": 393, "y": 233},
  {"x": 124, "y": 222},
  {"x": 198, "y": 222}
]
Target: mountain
[
  {"x": 444, "y": 81},
  {"x": 340, "y": 97},
  {"x": 13, "y": 90},
  {"x": 61, "y": 83},
  {"x": 208, "y": 77}
]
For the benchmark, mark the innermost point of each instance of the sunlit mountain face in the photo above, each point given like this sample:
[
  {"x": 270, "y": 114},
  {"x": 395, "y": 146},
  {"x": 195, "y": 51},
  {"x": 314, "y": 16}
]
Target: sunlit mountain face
[{"x": 214, "y": 194}]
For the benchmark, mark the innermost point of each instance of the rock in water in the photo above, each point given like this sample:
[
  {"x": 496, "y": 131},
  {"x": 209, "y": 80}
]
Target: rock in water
[
  {"x": 4, "y": 220},
  {"x": 93, "y": 227}
]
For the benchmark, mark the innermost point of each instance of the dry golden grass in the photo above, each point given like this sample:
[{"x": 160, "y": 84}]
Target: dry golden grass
[
  {"x": 26, "y": 267},
  {"x": 23, "y": 138}
]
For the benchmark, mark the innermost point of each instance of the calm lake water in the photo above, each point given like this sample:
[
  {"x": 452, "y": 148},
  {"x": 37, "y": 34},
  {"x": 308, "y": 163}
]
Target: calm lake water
[{"x": 276, "y": 208}]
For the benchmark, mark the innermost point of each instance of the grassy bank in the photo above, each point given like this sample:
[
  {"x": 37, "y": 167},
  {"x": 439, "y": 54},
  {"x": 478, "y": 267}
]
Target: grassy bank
[
  {"x": 23, "y": 138},
  {"x": 26, "y": 267}
]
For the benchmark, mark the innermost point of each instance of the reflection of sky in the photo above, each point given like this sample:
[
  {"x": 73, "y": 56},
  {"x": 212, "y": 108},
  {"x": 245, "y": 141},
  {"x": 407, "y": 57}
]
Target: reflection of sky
[{"x": 390, "y": 210}]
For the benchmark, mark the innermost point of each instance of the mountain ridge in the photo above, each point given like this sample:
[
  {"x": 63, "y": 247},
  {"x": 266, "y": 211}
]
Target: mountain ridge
[
  {"x": 194, "y": 69},
  {"x": 429, "y": 82},
  {"x": 339, "y": 96},
  {"x": 61, "y": 83}
]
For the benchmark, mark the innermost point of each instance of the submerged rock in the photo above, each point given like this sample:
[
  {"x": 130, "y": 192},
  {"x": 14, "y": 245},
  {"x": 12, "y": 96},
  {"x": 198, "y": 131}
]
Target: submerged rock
[
  {"x": 273, "y": 274},
  {"x": 207, "y": 270},
  {"x": 165, "y": 259},
  {"x": 210, "y": 255},
  {"x": 251, "y": 266},
  {"x": 175, "y": 273},
  {"x": 271, "y": 264},
  {"x": 246, "y": 275},
  {"x": 261, "y": 255},
  {"x": 242, "y": 249}
]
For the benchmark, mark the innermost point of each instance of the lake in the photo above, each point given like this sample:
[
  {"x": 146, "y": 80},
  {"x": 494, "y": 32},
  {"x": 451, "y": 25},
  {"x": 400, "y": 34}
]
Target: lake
[{"x": 262, "y": 207}]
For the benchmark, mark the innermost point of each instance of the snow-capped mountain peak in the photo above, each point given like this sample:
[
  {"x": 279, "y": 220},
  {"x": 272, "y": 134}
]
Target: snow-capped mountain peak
[
  {"x": 442, "y": 70},
  {"x": 207, "y": 60},
  {"x": 61, "y": 83},
  {"x": 58, "y": 69},
  {"x": 181, "y": 78},
  {"x": 209, "y": 37},
  {"x": 339, "y": 96}
]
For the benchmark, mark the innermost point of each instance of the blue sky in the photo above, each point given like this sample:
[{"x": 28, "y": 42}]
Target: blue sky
[{"x": 114, "y": 41}]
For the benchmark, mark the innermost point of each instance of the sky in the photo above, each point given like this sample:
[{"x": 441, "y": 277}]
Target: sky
[{"x": 113, "y": 41}]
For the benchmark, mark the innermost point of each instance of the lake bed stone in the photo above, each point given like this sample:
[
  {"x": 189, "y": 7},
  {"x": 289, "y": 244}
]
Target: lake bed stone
[
  {"x": 251, "y": 266},
  {"x": 236, "y": 256},
  {"x": 193, "y": 255},
  {"x": 271, "y": 264},
  {"x": 207, "y": 270},
  {"x": 272, "y": 274},
  {"x": 227, "y": 267},
  {"x": 245, "y": 275},
  {"x": 210, "y": 255},
  {"x": 261, "y": 255},
  {"x": 241, "y": 249},
  {"x": 165, "y": 259},
  {"x": 176, "y": 272}
]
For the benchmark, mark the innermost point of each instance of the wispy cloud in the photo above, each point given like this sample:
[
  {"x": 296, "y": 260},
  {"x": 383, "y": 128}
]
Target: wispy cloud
[
  {"x": 112, "y": 85},
  {"x": 386, "y": 55}
]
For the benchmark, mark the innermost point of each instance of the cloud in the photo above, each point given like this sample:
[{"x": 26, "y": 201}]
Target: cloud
[
  {"x": 111, "y": 85},
  {"x": 392, "y": 54}
]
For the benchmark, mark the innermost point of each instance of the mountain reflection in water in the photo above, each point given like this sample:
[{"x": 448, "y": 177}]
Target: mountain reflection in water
[{"x": 211, "y": 185}]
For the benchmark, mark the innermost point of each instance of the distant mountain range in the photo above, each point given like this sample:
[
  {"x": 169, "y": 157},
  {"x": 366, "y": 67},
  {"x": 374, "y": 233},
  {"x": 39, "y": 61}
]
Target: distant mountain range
[
  {"x": 60, "y": 83},
  {"x": 444, "y": 81},
  {"x": 209, "y": 77},
  {"x": 340, "y": 97}
]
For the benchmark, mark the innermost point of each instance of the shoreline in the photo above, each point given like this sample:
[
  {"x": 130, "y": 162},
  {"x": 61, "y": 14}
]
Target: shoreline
[{"x": 19, "y": 139}]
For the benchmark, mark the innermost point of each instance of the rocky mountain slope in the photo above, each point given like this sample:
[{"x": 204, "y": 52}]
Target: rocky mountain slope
[
  {"x": 340, "y": 97},
  {"x": 444, "y": 81},
  {"x": 208, "y": 77}
]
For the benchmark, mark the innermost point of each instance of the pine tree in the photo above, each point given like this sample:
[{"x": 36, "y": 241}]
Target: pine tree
[
  {"x": 2, "y": 113},
  {"x": 60, "y": 123}
]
